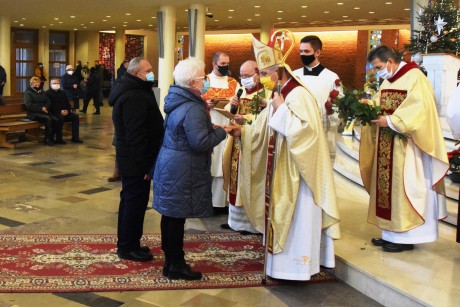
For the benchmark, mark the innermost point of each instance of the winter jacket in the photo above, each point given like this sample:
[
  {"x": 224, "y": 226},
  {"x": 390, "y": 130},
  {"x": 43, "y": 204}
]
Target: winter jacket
[
  {"x": 2, "y": 75},
  {"x": 182, "y": 178},
  {"x": 138, "y": 125},
  {"x": 67, "y": 82},
  {"x": 59, "y": 101},
  {"x": 93, "y": 84},
  {"x": 35, "y": 101}
]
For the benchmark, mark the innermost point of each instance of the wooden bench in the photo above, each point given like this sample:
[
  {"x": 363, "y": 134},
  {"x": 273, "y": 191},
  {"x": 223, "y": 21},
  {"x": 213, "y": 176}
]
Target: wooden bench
[{"x": 14, "y": 123}]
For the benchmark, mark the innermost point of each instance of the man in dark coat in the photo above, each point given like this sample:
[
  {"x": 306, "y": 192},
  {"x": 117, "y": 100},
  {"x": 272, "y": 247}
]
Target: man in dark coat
[
  {"x": 61, "y": 110},
  {"x": 38, "y": 106},
  {"x": 93, "y": 84},
  {"x": 69, "y": 84},
  {"x": 2, "y": 79},
  {"x": 139, "y": 129}
]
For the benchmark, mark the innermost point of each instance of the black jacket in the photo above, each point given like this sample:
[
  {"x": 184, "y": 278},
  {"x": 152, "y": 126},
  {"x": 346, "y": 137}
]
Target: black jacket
[
  {"x": 93, "y": 84},
  {"x": 59, "y": 101},
  {"x": 35, "y": 101},
  {"x": 138, "y": 125},
  {"x": 2, "y": 74},
  {"x": 67, "y": 82}
]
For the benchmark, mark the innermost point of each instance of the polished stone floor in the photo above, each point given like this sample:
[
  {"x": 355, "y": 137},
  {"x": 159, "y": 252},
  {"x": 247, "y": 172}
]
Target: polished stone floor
[{"x": 64, "y": 189}]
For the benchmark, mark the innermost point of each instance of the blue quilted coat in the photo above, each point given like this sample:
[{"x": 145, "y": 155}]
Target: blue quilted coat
[{"x": 182, "y": 177}]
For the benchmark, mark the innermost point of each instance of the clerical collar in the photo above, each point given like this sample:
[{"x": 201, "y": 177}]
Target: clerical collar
[{"x": 314, "y": 71}]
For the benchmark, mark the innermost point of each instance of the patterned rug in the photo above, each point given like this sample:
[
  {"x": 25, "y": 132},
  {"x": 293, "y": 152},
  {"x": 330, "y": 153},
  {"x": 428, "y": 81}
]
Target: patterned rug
[{"x": 88, "y": 263}]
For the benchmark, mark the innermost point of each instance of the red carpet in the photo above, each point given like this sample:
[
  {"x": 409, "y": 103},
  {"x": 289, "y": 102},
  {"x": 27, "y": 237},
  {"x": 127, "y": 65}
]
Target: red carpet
[{"x": 88, "y": 263}]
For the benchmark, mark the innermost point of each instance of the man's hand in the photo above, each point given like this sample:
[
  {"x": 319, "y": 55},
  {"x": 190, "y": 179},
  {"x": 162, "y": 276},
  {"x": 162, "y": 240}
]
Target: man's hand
[
  {"x": 277, "y": 101},
  {"x": 64, "y": 112},
  {"x": 239, "y": 119},
  {"x": 75, "y": 86},
  {"x": 147, "y": 177},
  {"x": 263, "y": 103},
  {"x": 234, "y": 101},
  {"x": 381, "y": 121},
  {"x": 211, "y": 104},
  {"x": 235, "y": 130},
  {"x": 44, "y": 110}
]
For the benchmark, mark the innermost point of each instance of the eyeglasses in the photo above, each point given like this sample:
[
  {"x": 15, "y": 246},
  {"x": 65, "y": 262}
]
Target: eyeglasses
[{"x": 246, "y": 76}]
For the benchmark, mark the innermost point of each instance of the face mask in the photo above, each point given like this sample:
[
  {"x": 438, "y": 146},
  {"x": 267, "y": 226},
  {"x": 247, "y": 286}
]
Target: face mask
[
  {"x": 307, "y": 59},
  {"x": 150, "y": 77},
  {"x": 36, "y": 88},
  {"x": 55, "y": 87},
  {"x": 40, "y": 66},
  {"x": 206, "y": 86},
  {"x": 384, "y": 73},
  {"x": 248, "y": 82},
  {"x": 223, "y": 70},
  {"x": 70, "y": 72},
  {"x": 268, "y": 83}
]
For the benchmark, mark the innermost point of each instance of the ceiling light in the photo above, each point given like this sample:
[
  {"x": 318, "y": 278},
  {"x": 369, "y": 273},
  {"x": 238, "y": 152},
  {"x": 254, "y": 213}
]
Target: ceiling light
[
  {"x": 138, "y": 20},
  {"x": 21, "y": 25},
  {"x": 339, "y": 3},
  {"x": 257, "y": 6},
  {"x": 326, "y": 12},
  {"x": 356, "y": 8},
  {"x": 257, "y": 15},
  {"x": 150, "y": 25},
  {"x": 249, "y": 19},
  {"x": 61, "y": 22},
  {"x": 104, "y": 19},
  {"x": 230, "y": 16},
  {"x": 72, "y": 16},
  {"x": 154, "y": 17},
  {"x": 279, "y": 18},
  {"x": 304, "y": 6},
  {"x": 407, "y": 9},
  {"x": 15, "y": 21},
  {"x": 280, "y": 11},
  {"x": 125, "y": 22},
  {"x": 124, "y": 25},
  {"x": 371, "y": 12},
  {"x": 43, "y": 27},
  {"x": 216, "y": 19},
  {"x": 108, "y": 16},
  {"x": 23, "y": 18},
  {"x": 91, "y": 22},
  {"x": 304, "y": 16},
  {"x": 51, "y": 24},
  {"x": 388, "y": 2},
  {"x": 82, "y": 24},
  {"x": 231, "y": 10},
  {"x": 75, "y": 29},
  {"x": 84, "y": 27},
  {"x": 345, "y": 16},
  {"x": 55, "y": 18},
  {"x": 186, "y": 10},
  {"x": 128, "y": 14},
  {"x": 114, "y": 27}
]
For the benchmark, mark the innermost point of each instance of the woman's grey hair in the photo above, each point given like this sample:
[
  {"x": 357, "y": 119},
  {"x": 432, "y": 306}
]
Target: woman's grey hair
[
  {"x": 187, "y": 70},
  {"x": 134, "y": 64}
]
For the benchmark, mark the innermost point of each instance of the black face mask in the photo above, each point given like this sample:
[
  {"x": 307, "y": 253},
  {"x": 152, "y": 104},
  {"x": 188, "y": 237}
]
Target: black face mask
[
  {"x": 223, "y": 70},
  {"x": 36, "y": 88},
  {"x": 307, "y": 59}
]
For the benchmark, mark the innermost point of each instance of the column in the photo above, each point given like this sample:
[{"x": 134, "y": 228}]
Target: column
[
  {"x": 5, "y": 51},
  {"x": 44, "y": 52},
  {"x": 119, "y": 48},
  {"x": 166, "y": 43},
  {"x": 265, "y": 31},
  {"x": 197, "y": 28},
  {"x": 414, "y": 9}
]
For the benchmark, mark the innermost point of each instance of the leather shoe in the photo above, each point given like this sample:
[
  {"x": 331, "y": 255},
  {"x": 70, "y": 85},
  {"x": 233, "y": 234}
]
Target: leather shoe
[
  {"x": 183, "y": 272},
  {"x": 137, "y": 255},
  {"x": 82, "y": 111},
  {"x": 225, "y": 226},
  {"x": 145, "y": 249},
  {"x": 396, "y": 247},
  {"x": 379, "y": 241},
  {"x": 77, "y": 141},
  {"x": 49, "y": 143},
  {"x": 166, "y": 267},
  {"x": 60, "y": 142},
  {"x": 97, "y": 113}
]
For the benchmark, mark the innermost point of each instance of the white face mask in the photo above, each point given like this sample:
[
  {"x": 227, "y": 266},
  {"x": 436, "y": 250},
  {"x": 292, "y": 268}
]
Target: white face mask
[
  {"x": 70, "y": 72},
  {"x": 55, "y": 86},
  {"x": 384, "y": 73},
  {"x": 248, "y": 83}
]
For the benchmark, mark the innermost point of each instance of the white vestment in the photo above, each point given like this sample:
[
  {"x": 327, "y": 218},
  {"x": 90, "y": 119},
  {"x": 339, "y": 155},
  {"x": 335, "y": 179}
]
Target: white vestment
[
  {"x": 306, "y": 247},
  {"x": 453, "y": 113}
]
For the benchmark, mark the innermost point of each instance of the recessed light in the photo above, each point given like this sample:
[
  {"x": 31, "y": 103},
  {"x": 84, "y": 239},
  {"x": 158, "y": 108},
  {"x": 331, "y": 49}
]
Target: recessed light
[
  {"x": 84, "y": 27},
  {"x": 43, "y": 27},
  {"x": 82, "y": 24},
  {"x": 304, "y": 6},
  {"x": 279, "y": 18},
  {"x": 407, "y": 9},
  {"x": 150, "y": 25},
  {"x": 128, "y": 14},
  {"x": 114, "y": 27},
  {"x": 371, "y": 12},
  {"x": 15, "y": 21},
  {"x": 21, "y": 25},
  {"x": 51, "y": 24},
  {"x": 280, "y": 11},
  {"x": 55, "y": 18},
  {"x": 257, "y": 6},
  {"x": 257, "y": 15},
  {"x": 231, "y": 10},
  {"x": 339, "y": 3},
  {"x": 388, "y": 2},
  {"x": 154, "y": 17},
  {"x": 75, "y": 29},
  {"x": 230, "y": 16},
  {"x": 104, "y": 19},
  {"x": 186, "y": 10},
  {"x": 108, "y": 16},
  {"x": 326, "y": 12},
  {"x": 216, "y": 19},
  {"x": 138, "y": 20},
  {"x": 72, "y": 16},
  {"x": 124, "y": 25},
  {"x": 345, "y": 16},
  {"x": 304, "y": 16},
  {"x": 249, "y": 19},
  {"x": 23, "y": 18},
  {"x": 356, "y": 8},
  {"x": 91, "y": 22},
  {"x": 61, "y": 22},
  {"x": 125, "y": 22}
]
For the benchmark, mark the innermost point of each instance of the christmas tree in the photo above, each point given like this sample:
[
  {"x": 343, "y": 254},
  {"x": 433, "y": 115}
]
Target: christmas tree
[{"x": 440, "y": 31}]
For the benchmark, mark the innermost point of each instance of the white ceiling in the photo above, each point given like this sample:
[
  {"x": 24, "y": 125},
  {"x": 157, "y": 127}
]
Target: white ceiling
[{"x": 112, "y": 14}]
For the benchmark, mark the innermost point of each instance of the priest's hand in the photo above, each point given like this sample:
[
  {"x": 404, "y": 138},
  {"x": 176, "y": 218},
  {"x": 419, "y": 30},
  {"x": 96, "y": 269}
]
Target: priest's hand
[
  {"x": 211, "y": 104},
  {"x": 235, "y": 129},
  {"x": 277, "y": 101},
  {"x": 381, "y": 121},
  {"x": 239, "y": 119},
  {"x": 234, "y": 101}
]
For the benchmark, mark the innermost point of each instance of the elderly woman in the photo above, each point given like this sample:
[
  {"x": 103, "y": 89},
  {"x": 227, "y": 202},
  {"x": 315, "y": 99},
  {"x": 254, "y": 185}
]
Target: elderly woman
[{"x": 182, "y": 175}]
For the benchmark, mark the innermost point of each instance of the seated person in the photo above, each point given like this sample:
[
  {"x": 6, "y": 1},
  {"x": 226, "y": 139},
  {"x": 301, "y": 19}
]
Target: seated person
[
  {"x": 38, "y": 106},
  {"x": 61, "y": 110}
]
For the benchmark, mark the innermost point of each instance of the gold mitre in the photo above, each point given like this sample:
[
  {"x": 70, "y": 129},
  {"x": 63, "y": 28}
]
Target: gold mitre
[{"x": 266, "y": 56}]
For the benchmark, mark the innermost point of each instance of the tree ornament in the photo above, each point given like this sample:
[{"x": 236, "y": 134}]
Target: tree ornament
[
  {"x": 440, "y": 23},
  {"x": 417, "y": 58},
  {"x": 434, "y": 39}
]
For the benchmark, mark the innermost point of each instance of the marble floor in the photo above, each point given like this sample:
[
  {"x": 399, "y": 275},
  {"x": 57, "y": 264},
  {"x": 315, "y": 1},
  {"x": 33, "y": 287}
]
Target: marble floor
[{"x": 64, "y": 189}]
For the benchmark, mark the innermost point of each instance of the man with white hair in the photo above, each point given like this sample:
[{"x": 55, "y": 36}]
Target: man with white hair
[
  {"x": 69, "y": 84},
  {"x": 139, "y": 133}
]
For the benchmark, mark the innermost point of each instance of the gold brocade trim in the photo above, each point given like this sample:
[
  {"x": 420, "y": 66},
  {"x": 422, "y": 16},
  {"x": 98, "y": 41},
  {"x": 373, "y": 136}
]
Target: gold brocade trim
[
  {"x": 234, "y": 167},
  {"x": 390, "y": 100},
  {"x": 268, "y": 182}
]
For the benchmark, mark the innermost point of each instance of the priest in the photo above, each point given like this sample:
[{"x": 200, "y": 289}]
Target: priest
[
  {"x": 304, "y": 213},
  {"x": 246, "y": 108},
  {"x": 221, "y": 87},
  {"x": 403, "y": 158}
]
